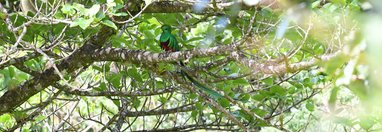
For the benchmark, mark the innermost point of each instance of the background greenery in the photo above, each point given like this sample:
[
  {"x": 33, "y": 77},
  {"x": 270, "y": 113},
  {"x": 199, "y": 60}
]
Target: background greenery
[{"x": 282, "y": 65}]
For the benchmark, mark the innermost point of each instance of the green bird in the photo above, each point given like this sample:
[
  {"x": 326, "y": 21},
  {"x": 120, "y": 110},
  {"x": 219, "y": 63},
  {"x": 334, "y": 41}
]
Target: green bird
[{"x": 169, "y": 43}]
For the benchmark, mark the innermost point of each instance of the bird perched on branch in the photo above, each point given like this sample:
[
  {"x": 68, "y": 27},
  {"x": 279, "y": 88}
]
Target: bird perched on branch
[{"x": 169, "y": 43}]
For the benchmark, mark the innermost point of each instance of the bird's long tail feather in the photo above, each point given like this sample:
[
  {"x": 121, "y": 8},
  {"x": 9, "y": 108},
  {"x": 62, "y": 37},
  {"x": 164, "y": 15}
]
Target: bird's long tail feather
[{"x": 202, "y": 87}]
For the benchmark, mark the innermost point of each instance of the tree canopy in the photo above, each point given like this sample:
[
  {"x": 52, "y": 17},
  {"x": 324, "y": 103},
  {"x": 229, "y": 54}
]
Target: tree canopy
[{"x": 280, "y": 65}]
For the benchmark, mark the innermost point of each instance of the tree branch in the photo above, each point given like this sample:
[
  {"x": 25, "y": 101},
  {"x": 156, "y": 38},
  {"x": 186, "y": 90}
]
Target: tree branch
[
  {"x": 90, "y": 53},
  {"x": 194, "y": 127},
  {"x": 15, "y": 97},
  {"x": 276, "y": 69},
  {"x": 32, "y": 115},
  {"x": 114, "y": 93},
  {"x": 188, "y": 6},
  {"x": 184, "y": 108}
]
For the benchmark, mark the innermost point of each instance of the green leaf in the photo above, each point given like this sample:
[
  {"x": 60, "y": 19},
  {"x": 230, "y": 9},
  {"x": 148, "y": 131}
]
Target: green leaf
[
  {"x": 12, "y": 83},
  {"x": 199, "y": 106},
  {"x": 22, "y": 77},
  {"x": 120, "y": 14},
  {"x": 341, "y": 2},
  {"x": 292, "y": 90},
  {"x": 99, "y": 16},
  {"x": 19, "y": 115},
  {"x": 278, "y": 90},
  {"x": 228, "y": 41},
  {"x": 160, "y": 84},
  {"x": 120, "y": 41},
  {"x": 366, "y": 123},
  {"x": 148, "y": 34},
  {"x": 132, "y": 72},
  {"x": 97, "y": 68},
  {"x": 194, "y": 39},
  {"x": 11, "y": 71},
  {"x": 6, "y": 120},
  {"x": 240, "y": 81},
  {"x": 110, "y": 105},
  {"x": 224, "y": 102},
  {"x": 2, "y": 15},
  {"x": 82, "y": 22},
  {"x": 119, "y": 1},
  {"x": 359, "y": 88},
  {"x": 308, "y": 82},
  {"x": 193, "y": 95},
  {"x": 268, "y": 81},
  {"x": 310, "y": 105},
  {"x": 163, "y": 100},
  {"x": 316, "y": 4},
  {"x": 225, "y": 88},
  {"x": 258, "y": 97},
  {"x": 67, "y": 9},
  {"x": 110, "y": 24},
  {"x": 93, "y": 10},
  {"x": 114, "y": 79},
  {"x": 194, "y": 114},
  {"x": 333, "y": 98},
  {"x": 136, "y": 102},
  {"x": 298, "y": 85},
  {"x": 331, "y": 7},
  {"x": 245, "y": 115},
  {"x": 343, "y": 121},
  {"x": 259, "y": 112},
  {"x": 262, "y": 123},
  {"x": 102, "y": 87},
  {"x": 80, "y": 8},
  {"x": 40, "y": 118},
  {"x": 245, "y": 97},
  {"x": 116, "y": 102}
]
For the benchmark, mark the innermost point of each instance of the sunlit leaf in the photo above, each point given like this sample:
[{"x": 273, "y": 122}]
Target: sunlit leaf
[
  {"x": 67, "y": 9},
  {"x": 258, "y": 97},
  {"x": 110, "y": 24},
  {"x": 333, "y": 97},
  {"x": 132, "y": 72},
  {"x": 93, "y": 10},
  {"x": 310, "y": 106},
  {"x": 82, "y": 22},
  {"x": 114, "y": 79},
  {"x": 224, "y": 102}
]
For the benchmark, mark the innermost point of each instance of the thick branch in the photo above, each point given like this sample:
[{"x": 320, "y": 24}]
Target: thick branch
[
  {"x": 115, "y": 93},
  {"x": 184, "y": 7},
  {"x": 185, "y": 108},
  {"x": 15, "y": 97},
  {"x": 271, "y": 68},
  {"x": 195, "y": 127},
  {"x": 89, "y": 53},
  {"x": 35, "y": 113},
  {"x": 188, "y": 7},
  {"x": 18, "y": 61},
  {"x": 118, "y": 54}
]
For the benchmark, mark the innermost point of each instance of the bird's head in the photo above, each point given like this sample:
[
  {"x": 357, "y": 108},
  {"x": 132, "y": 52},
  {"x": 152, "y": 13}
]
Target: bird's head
[{"x": 166, "y": 28}]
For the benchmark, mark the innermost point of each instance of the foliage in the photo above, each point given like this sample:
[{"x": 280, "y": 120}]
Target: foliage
[{"x": 290, "y": 67}]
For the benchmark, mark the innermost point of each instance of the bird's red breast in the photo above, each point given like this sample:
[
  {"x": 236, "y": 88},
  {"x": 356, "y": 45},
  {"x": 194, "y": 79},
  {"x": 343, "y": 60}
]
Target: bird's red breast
[{"x": 166, "y": 47}]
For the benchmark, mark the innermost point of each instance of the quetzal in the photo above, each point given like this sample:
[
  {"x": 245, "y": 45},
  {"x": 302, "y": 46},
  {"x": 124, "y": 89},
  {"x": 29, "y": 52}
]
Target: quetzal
[{"x": 169, "y": 43}]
